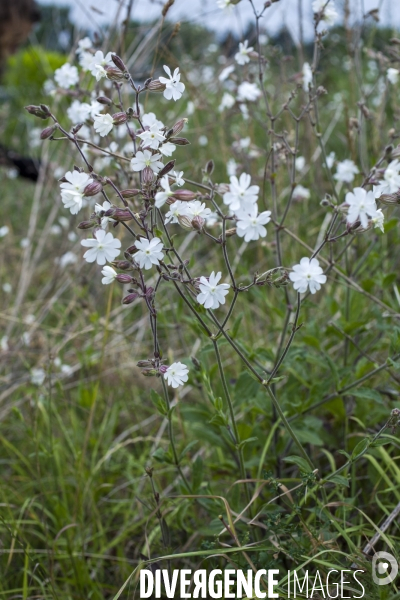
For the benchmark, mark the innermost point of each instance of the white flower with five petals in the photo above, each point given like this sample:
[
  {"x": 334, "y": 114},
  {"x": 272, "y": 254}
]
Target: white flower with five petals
[
  {"x": 103, "y": 247},
  {"x": 152, "y": 137},
  {"x": 242, "y": 57},
  {"x": 251, "y": 225},
  {"x": 362, "y": 205},
  {"x": 149, "y": 252},
  {"x": 212, "y": 294},
  {"x": 146, "y": 159},
  {"x": 109, "y": 275},
  {"x": 176, "y": 374},
  {"x": 307, "y": 275},
  {"x": 103, "y": 124},
  {"x": 174, "y": 86},
  {"x": 241, "y": 194},
  {"x": 99, "y": 61},
  {"x": 162, "y": 197}
]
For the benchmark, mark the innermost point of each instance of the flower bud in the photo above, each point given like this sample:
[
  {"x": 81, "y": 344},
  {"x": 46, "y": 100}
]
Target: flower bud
[
  {"x": 104, "y": 100},
  {"x": 149, "y": 372},
  {"x": 196, "y": 363},
  {"x": 41, "y": 111},
  {"x": 184, "y": 195},
  {"x": 130, "y": 298},
  {"x": 163, "y": 369},
  {"x": 92, "y": 188},
  {"x": 149, "y": 292},
  {"x": 124, "y": 265},
  {"x": 113, "y": 74},
  {"x": 156, "y": 86},
  {"x": 119, "y": 118},
  {"x": 48, "y": 132},
  {"x": 210, "y": 167},
  {"x": 179, "y": 125},
  {"x": 119, "y": 214},
  {"x": 185, "y": 222},
  {"x": 129, "y": 193},
  {"x": 230, "y": 232},
  {"x": 179, "y": 141},
  {"x": 123, "y": 278},
  {"x": 86, "y": 224},
  {"x": 390, "y": 198},
  {"x": 131, "y": 249},
  {"x": 166, "y": 169},
  {"x": 198, "y": 223},
  {"x": 118, "y": 62},
  {"x": 144, "y": 363}
]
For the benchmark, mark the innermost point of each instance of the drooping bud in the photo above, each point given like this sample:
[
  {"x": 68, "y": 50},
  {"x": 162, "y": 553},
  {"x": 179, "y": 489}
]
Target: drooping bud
[
  {"x": 86, "y": 224},
  {"x": 198, "y": 223},
  {"x": 118, "y": 62},
  {"x": 113, "y": 74},
  {"x": 184, "y": 195},
  {"x": 179, "y": 125},
  {"x": 48, "y": 132},
  {"x": 166, "y": 169},
  {"x": 119, "y": 118},
  {"x": 123, "y": 278},
  {"x": 104, "y": 100},
  {"x": 130, "y": 298},
  {"x": 179, "y": 141},
  {"x": 124, "y": 265},
  {"x": 156, "y": 86},
  {"x": 41, "y": 111},
  {"x": 129, "y": 193},
  {"x": 92, "y": 188}
]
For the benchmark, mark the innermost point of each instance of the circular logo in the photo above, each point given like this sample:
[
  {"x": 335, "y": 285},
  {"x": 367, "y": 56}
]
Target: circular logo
[{"x": 384, "y": 568}]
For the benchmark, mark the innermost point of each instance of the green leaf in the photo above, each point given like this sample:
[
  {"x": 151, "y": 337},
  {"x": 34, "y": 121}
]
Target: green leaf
[
  {"x": 300, "y": 462},
  {"x": 186, "y": 449},
  {"x": 246, "y": 387},
  {"x": 367, "y": 394},
  {"x": 248, "y": 441},
  {"x": 235, "y": 328},
  {"x": 340, "y": 480},
  {"x": 360, "y": 448},
  {"x": 197, "y": 474},
  {"x": 159, "y": 403},
  {"x": 382, "y": 441}
]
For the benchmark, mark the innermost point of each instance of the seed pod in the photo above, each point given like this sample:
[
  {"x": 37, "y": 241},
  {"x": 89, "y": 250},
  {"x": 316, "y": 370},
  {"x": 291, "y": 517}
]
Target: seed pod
[
  {"x": 92, "y": 188},
  {"x": 185, "y": 222},
  {"x": 144, "y": 363},
  {"x": 124, "y": 265},
  {"x": 123, "y": 278},
  {"x": 156, "y": 86},
  {"x": 118, "y": 214},
  {"x": 119, "y": 118},
  {"x": 48, "y": 132},
  {"x": 130, "y": 298},
  {"x": 179, "y": 141},
  {"x": 198, "y": 223},
  {"x": 149, "y": 372},
  {"x": 184, "y": 195},
  {"x": 104, "y": 100},
  {"x": 41, "y": 111}
]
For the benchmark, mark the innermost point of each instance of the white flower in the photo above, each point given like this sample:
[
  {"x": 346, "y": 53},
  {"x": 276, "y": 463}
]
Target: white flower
[
  {"x": 5, "y": 229},
  {"x": 78, "y": 112},
  {"x": 66, "y": 76},
  {"x": 242, "y": 57},
  {"x": 361, "y": 205},
  {"x": 174, "y": 87},
  {"x": 85, "y": 60},
  {"x": 151, "y": 138},
  {"x": 72, "y": 190},
  {"x": 329, "y": 14},
  {"x": 69, "y": 258},
  {"x": 330, "y": 160},
  {"x": 95, "y": 108},
  {"x": 211, "y": 294},
  {"x": 98, "y": 209},
  {"x": 150, "y": 252},
  {"x": 162, "y": 197},
  {"x": 102, "y": 248},
  {"x": 307, "y": 76},
  {"x": 203, "y": 140},
  {"x": 167, "y": 148},
  {"x": 224, "y": 3},
  {"x": 346, "y": 171},
  {"x": 150, "y": 119},
  {"x": 248, "y": 91},
  {"x": 227, "y": 102},
  {"x": 38, "y": 376},
  {"x": 393, "y": 75},
  {"x": 7, "y": 288},
  {"x": 178, "y": 178},
  {"x": 251, "y": 226},
  {"x": 300, "y": 163},
  {"x": 391, "y": 180},
  {"x": 146, "y": 159},
  {"x": 378, "y": 219},
  {"x": 301, "y": 192},
  {"x": 307, "y": 274},
  {"x": 195, "y": 208},
  {"x": 177, "y": 209},
  {"x": 176, "y": 374},
  {"x": 241, "y": 194},
  {"x": 103, "y": 124},
  {"x": 231, "y": 167},
  {"x": 108, "y": 275},
  {"x": 99, "y": 61},
  {"x": 226, "y": 72},
  {"x": 4, "y": 344},
  {"x": 84, "y": 44}
]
